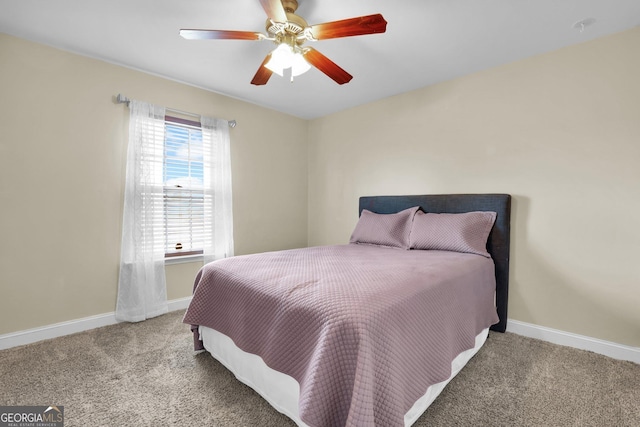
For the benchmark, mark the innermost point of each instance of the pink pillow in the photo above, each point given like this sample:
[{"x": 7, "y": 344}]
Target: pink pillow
[
  {"x": 461, "y": 232},
  {"x": 384, "y": 229}
]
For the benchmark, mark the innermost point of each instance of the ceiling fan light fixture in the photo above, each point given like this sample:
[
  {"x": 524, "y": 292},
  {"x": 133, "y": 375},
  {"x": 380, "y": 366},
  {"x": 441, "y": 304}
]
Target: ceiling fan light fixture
[
  {"x": 281, "y": 58},
  {"x": 284, "y": 56},
  {"x": 299, "y": 65}
]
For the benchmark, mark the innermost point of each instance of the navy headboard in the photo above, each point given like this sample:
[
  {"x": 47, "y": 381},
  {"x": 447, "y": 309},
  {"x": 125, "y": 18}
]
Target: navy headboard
[{"x": 499, "y": 238}]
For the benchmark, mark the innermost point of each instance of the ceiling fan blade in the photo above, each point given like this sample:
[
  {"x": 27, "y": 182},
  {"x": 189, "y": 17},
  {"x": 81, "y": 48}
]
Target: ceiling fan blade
[
  {"x": 370, "y": 24},
  {"x": 327, "y": 66},
  {"x": 263, "y": 74},
  {"x": 274, "y": 9},
  {"x": 219, "y": 35}
]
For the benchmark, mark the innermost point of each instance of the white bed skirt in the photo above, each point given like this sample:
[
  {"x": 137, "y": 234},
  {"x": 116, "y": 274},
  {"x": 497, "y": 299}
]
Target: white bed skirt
[{"x": 282, "y": 391}]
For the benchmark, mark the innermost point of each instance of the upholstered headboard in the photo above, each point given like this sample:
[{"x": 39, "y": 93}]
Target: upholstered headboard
[{"x": 499, "y": 238}]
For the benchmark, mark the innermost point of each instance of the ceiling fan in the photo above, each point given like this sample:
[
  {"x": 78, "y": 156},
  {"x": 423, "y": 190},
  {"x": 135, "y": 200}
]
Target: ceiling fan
[{"x": 289, "y": 31}]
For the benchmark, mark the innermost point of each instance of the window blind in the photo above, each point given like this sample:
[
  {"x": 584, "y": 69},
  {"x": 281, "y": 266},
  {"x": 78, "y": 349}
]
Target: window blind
[{"x": 183, "y": 188}]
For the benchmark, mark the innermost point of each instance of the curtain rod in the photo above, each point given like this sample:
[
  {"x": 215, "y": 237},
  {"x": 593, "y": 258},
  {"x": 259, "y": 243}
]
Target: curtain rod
[{"x": 121, "y": 99}]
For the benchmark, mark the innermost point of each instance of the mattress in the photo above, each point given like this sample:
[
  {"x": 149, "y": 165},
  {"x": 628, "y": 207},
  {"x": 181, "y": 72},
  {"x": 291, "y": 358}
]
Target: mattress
[{"x": 283, "y": 392}]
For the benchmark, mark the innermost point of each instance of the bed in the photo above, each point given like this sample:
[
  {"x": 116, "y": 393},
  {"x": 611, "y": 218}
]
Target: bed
[{"x": 366, "y": 333}]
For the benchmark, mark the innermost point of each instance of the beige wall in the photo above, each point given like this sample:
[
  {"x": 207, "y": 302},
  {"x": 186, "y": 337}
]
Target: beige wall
[
  {"x": 62, "y": 162},
  {"x": 560, "y": 132}
]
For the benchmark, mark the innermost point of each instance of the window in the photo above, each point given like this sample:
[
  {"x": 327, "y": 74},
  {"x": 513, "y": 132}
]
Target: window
[
  {"x": 183, "y": 188},
  {"x": 177, "y": 201}
]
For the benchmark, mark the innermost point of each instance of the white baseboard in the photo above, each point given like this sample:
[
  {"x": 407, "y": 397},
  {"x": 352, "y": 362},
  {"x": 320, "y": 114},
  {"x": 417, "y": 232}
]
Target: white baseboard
[
  {"x": 606, "y": 348},
  {"x": 29, "y": 336}
]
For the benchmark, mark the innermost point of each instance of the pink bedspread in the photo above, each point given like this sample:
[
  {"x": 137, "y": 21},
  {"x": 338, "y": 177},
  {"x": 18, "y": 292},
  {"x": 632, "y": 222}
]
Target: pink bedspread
[{"x": 365, "y": 330}]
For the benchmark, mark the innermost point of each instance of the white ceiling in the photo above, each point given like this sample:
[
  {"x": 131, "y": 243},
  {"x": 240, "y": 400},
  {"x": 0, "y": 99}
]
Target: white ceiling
[{"x": 427, "y": 41}]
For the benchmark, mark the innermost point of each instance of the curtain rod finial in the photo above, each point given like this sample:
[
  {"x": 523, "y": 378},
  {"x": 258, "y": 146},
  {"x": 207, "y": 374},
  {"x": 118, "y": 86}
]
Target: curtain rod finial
[{"x": 121, "y": 99}]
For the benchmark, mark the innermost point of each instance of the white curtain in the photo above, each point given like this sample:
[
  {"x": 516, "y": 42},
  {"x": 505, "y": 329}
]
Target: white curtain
[
  {"x": 217, "y": 185},
  {"x": 142, "y": 290}
]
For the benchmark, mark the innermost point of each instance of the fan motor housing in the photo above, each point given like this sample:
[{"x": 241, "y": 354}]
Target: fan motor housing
[{"x": 294, "y": 25}]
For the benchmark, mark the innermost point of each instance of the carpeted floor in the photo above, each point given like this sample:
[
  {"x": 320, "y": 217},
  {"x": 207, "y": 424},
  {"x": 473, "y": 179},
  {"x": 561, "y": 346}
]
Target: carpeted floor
[{"x": 146, "y": 374}]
